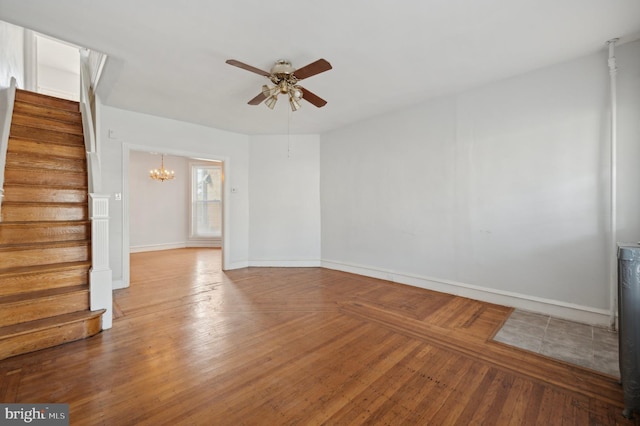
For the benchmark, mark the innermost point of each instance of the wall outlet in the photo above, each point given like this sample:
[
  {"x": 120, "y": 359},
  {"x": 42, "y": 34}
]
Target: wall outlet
[{"x": 117, "y": 196}]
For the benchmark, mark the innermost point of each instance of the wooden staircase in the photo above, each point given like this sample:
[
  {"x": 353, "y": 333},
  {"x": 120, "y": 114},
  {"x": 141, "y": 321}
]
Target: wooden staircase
[{"x": 45, "y": 233}]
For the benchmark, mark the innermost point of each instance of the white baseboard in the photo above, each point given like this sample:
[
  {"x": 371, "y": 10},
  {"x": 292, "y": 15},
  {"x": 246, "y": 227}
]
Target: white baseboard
[
  {"x": 238, "y": 265},
  {"x": 156, "y": 247},
  {"x": 286, "y": 263},
  {"x": 205, "y": 244},
  {"x": 555, "y": 308},
  {"x": 118, "y": 284}
]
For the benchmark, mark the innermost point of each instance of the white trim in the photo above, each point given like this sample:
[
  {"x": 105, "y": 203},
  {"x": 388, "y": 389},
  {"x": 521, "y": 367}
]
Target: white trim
[
  {"x": 157, "y": 247},
  {"x": 285, "y": 263},
  {"x": 555, "y": 308},
  {"x": 613, "y": 184},
  {"x": 7, "y": 100},
  {"x": 58, "y": 93},
  {"x": 119, "y": 284},
  {"x": 30, "y": 61},
  {"x": 237, "y": 265},
  {"x": 126, "y": 270},
  {"x": 211, "y": 242}
]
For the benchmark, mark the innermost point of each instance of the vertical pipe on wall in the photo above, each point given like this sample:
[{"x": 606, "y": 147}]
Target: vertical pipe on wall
[{"x": 613, "y": 261}]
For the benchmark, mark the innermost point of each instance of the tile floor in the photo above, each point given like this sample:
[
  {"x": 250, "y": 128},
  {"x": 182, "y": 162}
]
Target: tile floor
[{"x": 581, "y": 344}]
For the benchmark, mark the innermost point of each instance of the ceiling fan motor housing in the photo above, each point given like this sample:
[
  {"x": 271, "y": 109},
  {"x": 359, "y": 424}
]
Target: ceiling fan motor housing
[{"x": 282, "y": 67}]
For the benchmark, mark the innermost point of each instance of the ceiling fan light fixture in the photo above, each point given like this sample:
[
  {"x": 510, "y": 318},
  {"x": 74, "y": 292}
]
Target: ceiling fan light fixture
[
  {"x": 271, "y": 101},
  {"x": 296, "y": 93},
  {"x": 295, "y": 105}
]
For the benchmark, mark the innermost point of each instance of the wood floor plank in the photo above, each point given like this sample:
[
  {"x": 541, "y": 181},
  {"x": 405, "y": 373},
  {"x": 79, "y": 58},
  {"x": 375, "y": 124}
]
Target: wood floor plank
[{"x": 301, "y": 346}]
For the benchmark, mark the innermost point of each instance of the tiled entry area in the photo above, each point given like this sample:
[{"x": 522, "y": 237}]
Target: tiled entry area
[{"x": 581, "y": 344}]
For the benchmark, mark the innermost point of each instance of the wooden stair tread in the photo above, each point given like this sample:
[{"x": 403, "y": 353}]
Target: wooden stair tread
[
  {"x": 38, "y": 162},
  {"x": 26, "y": 193},
  {"x": 12, "y": 233},
  {"x": 46, "y": 245},
  {"x": 18, "y": 168},
  {"x": 45, "y": 268},
  {"x": 38, "y": 212},
  {"x": 52, "y": 223},
  {"x": 47, "y": 186},
  {"x": 25, "y": 279},
  {"x": 45, "y": 323},
  {"x": 44, "y": 123},
  {"x": 41, "y": 99},
  {"x": 43, "y": 203},
  {"x": 24, "y": 140},
  {"x": 47, "y": 111},
  {"x": 43, "y": 294},
  {"x": 20, "y": 129}
]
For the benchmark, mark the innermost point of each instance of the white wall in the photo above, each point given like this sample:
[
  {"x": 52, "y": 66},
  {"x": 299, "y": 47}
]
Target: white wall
[
  {"x": 497, "y": 193},
  {"x": 59, "y": 83},
  {"x": 11, "y": 54},
  {"x": 119, "y": 131},
  {"x": 58, "y": 68},
  {"x": 158, "y": 211},
  {"x": 284, "y": 183}
]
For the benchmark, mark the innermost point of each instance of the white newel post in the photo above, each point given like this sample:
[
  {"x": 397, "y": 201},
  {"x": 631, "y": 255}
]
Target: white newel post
[{"x": 100, "y": 285}]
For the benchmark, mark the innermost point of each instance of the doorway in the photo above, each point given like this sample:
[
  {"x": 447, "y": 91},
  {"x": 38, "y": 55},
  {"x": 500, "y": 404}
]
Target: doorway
[
  {"x": 52, "y": 67},
  {"x": 158, "y": 215}
]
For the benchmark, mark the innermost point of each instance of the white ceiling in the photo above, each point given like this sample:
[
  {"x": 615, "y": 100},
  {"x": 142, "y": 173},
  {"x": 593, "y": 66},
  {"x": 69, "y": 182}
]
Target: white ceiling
[{"x": 167, "y": 57}]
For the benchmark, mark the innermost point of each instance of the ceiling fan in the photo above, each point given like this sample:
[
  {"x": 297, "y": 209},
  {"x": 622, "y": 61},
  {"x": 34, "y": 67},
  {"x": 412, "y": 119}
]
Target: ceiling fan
[{"x": 285, "y": 81}]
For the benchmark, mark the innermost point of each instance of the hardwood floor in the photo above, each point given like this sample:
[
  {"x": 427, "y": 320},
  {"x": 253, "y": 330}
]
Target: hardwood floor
[{"x": 301, "y": 346}]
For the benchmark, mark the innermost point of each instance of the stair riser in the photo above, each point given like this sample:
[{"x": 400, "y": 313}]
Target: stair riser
[
  {"x": 27, "y": 213},
  {"x": 28, "y": 177},
  {"x": 45, "y": 124},
  {"x": 43, "y": 111},
  {"x": 44, "y": 163},
  {"x": 44, "y": 135},
  {"x": 47, "y": 233},
  {"x": 37, "y": 194},
  {"x": 28, "y": 146},
  {"x": 35, "y": 309},
  {"x": 44, "y": 256},
  {"x": 35, "y": 281},
  {"x": 41, "y": 339},
  {"x": 44, "y": 100}
]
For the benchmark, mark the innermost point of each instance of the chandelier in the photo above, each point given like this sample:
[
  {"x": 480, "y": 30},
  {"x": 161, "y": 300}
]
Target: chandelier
[{"x": 161, "y": 174}]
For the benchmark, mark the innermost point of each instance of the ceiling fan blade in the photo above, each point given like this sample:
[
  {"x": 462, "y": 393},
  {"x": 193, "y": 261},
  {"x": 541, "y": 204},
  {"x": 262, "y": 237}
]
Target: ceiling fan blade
[
  {"x": 321, "y": 65},
  {"x": 247, "y": 67},
  {"x": 312, "y": 98},
  {"x": 258, "y": 99}
]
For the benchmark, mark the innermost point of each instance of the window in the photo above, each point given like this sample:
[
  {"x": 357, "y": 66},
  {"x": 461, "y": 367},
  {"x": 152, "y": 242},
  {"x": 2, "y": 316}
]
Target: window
[{"x": 206, "y": 200}]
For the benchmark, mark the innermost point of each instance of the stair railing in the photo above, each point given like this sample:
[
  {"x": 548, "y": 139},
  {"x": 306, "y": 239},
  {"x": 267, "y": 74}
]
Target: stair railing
[
  {"x": 7, "y": 99},
  {"x": 100, "y": 279}
]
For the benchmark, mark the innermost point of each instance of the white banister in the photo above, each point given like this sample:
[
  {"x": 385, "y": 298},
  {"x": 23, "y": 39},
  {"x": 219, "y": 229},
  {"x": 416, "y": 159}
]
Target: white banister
[
  {"x": 87, "y": 120},
  {"x": 7, "y": 99}
]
